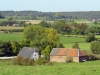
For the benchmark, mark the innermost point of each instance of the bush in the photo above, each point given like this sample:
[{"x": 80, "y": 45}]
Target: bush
[
  {"x": 90, "y": 38},
  {"x": 95, "y": 47},
  {"x": 69, "y": 59},
  {"x": 93, "y": 57},
  {"x": 40, "y": 61},
  {"x": 29, "y": 62},
  {"x": 49, "y": 63},
  {"x": 23, "y": 61}
]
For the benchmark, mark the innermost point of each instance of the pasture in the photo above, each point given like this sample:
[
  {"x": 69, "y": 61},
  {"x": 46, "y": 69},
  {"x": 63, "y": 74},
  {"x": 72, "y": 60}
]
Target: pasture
[
  {"x": 66, "y": 41},
  {"x": 86, "y": 68},
  {"x": 11, "y": 37}
]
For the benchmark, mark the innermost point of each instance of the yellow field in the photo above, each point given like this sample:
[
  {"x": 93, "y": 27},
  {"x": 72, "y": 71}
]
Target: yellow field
[
  {"x": 34, "y": 21},
  {"x": 10, "y": 27}
]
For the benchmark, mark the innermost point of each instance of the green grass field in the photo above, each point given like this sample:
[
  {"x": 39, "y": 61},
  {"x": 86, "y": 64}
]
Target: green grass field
[
  {"x": 82, "y": 46},
  {"x": 86, "y": 68},
  {"x": 11, "y": 37},
  {"x": 65, "y": 39},
  {"x": 69, "y": 41}
]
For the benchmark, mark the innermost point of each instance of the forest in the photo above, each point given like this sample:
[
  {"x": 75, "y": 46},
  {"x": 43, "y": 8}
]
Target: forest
[{"x": 54, "y": 15}]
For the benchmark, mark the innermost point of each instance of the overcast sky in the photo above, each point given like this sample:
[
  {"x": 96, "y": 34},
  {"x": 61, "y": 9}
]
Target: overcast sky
[{"x": 50, "y": 5}]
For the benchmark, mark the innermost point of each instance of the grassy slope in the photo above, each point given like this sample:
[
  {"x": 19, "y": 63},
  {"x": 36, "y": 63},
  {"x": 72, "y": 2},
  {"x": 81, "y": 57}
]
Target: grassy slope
[{"x": 86, "y": 68}]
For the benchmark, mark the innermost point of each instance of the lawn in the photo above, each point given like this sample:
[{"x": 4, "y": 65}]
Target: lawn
[
  {"x": 11, "y": 37},
  {"x": 85, "y": 68}
]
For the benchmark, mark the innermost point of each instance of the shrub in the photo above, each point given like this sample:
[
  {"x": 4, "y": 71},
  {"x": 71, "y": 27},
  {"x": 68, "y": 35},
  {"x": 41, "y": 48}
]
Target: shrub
[
  {"x": 93, "y": 57},
  {"x": 49, "y": 63},
  {"x": 30, "y": 62},
  {"x": 95, "y": 47},
  {"x": 69, "y": 59},
  {"x": 40, "y": 61},
  {"x": 90, "y": 38},
  {"x": 22, "y": 61}
]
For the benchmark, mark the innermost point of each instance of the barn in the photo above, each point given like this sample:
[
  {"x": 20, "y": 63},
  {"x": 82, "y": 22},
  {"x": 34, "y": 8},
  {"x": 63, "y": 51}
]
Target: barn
[
  {"x": 28, "y": 52},
  {"x": 60, "y": 55}
]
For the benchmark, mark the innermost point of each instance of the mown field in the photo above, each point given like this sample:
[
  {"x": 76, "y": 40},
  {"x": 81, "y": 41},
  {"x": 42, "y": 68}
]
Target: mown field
[
  {"x": 85, "y": 68},
  {"x": 11, "y": 37}
]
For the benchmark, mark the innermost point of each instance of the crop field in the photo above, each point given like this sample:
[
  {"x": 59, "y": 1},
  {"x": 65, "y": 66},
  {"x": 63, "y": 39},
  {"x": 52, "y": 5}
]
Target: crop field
[
  {"x": 85, "y": 68},
  {"x": 34, "y": 21},
  {"x": 10, "y": 27}
]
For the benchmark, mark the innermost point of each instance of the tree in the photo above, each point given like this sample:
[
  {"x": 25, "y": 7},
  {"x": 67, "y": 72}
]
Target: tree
[
  {"x": 90, "y": 38},
  {"x": 58, "y": 15},
  {"x": 59, "y": 25},
  {"x": 44, "y": 24},
  {"x": 66, "y": 29},
  {"x": 40, "y": 36},
  {"x": 95, "y": 47},
  {"x": 34, "y": 33},
  {"x": 46, "y": 52},
  {"x": 75, "y": 45},
  {"x": 51, "y": 35}
]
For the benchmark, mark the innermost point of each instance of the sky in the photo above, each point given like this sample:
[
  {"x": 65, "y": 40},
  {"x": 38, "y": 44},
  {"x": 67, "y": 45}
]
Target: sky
[{"x": 50, "y": 5}]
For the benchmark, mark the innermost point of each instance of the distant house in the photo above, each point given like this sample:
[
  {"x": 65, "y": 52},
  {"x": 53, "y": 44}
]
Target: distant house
[
  {"x": 28, "y": 52},
  {"x": 60, "y": 55},
  {"x": 16, "y": 25}
]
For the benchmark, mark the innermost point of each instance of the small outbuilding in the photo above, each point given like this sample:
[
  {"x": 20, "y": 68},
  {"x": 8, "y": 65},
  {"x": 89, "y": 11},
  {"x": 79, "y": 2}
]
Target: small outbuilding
[
  {"x": 60, "y": 55},
  {"x": 28, "y": 52},
  {"x": 16, "y": 25}
]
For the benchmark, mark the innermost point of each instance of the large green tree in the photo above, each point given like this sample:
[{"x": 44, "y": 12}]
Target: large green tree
[{"x": 40, "y": 36}]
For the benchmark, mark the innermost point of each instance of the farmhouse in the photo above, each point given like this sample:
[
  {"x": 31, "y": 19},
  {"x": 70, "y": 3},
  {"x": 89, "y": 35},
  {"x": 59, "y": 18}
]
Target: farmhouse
[
  {"x": 60, "y": 55},
  {"x": 28, "y": 52}
]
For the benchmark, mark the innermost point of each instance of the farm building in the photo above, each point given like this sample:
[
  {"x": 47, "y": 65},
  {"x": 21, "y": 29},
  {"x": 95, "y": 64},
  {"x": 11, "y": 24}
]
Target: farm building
[
  {"x": 16, "y": 25},
  {"x": 60, "y": 55},
  {"x": 28, "y": 52}
]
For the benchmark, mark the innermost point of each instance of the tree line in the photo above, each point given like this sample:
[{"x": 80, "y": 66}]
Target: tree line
[
  {"x": 54, "y": 15},
  {"x": 74, "y": 28}
]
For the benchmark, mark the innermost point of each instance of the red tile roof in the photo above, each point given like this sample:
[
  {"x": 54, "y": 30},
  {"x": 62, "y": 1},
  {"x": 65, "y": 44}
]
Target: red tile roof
[
  {"x": 62, "y": 51},
  {"x": 72, "y": 52},
  {"x": 68, "y": 52}
]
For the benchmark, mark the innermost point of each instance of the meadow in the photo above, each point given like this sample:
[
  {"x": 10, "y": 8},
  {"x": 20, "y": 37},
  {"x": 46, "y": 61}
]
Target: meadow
[
  {"x": 11, "y": 37},
  {"x": 68, "y": 42},
  {"x": 85, "y": 68}
]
